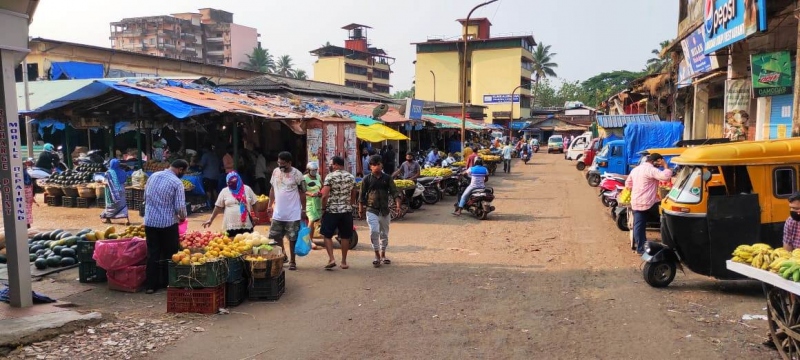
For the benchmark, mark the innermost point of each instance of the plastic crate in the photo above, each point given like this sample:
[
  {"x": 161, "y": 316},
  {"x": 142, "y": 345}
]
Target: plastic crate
[
  {"x": 235, "y": 270},
  {"x": 235, "y": 292},
  {"x": 85, "y": 251},
  {"x": 201, "y": 301},
  {"x": 267, "y": 289},
  {"x": 53, "y": 200},
  {"x": 89, "y": 272},
  {"x": 208, "y": 275},
  {"x": 101, "y": 203},
  {"x": 138, "y": 195},
  {"x": 69, "y": 201},
  {"x": 83, "y": 202}
]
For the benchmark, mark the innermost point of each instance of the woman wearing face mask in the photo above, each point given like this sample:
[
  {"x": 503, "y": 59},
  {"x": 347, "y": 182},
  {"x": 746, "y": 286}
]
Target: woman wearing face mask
[
  {"x": 791, "y": 230},
  {"x": 313, "y": 195},
  {"x": 235, "y": 201}
]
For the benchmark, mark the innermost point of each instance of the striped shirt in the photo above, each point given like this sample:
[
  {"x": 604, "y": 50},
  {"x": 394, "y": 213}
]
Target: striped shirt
[
  {"x": 164, "y": 199},
  {"x": 791, "y": 233}
]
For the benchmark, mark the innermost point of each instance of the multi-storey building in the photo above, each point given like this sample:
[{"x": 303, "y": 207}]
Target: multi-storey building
[
  {"x": 208, "y": 36},
  {"x": 357, "y": 64},
  {"x": 496, "y": 68}
]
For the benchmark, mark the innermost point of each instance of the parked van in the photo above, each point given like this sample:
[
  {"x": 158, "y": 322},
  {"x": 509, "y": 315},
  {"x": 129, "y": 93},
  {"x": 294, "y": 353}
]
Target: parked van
[{"x": 577, "y": 146}]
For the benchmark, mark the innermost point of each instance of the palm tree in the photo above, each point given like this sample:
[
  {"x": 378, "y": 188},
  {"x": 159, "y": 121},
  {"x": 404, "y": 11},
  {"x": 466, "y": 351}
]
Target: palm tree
[
  {"x": 259, "y": 60},
  {"x": 659, "y": 63},
  {"x": 543, "y": 65},
  {"x": 284, "y": 66},
  {"x": 300, "y": 74}
]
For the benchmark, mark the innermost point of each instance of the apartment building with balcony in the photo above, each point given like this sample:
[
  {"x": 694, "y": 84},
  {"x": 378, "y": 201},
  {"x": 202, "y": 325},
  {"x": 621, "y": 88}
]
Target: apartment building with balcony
[
  {"x": 208, "y": 36},
  {"x": 496, "y": 67},
  {"x": 357, "y": 65}
]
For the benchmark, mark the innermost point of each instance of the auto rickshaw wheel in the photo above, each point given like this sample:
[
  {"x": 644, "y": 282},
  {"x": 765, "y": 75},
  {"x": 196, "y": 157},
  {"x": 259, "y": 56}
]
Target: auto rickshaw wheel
[
  {"x": 622, "y": 221},
  {"x": 580, "y": 166},
  {"x": 659, "y": 274},
  {"x": 593, "y": 179},
  {"x": 781, "y": 305}
]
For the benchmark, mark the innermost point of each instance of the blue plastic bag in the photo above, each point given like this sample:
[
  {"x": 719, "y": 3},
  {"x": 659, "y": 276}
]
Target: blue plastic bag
[{"x": 303, "y": 245}]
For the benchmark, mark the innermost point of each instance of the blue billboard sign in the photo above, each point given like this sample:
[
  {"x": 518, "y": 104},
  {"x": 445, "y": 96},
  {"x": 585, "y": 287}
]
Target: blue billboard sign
[
  {"x": 414, "y": 109},
  {"x": 694, "y": 52},
  {"x": 499, "y": 98},
  {"x": 728, "y": 21}
]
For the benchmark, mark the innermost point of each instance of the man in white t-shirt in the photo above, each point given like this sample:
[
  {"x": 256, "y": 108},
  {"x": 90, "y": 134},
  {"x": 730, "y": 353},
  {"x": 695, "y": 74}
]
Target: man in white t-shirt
[{"x": 287, "y": 199}]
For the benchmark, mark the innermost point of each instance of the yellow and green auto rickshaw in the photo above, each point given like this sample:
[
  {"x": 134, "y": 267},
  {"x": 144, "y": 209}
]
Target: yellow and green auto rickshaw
[{"x": 723, "y": 196}]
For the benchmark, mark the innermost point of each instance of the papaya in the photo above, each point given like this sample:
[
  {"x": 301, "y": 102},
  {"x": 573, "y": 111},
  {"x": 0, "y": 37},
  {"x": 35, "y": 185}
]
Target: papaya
[
  {"x": 99, "y": 235},
  {"x": 90, "y": 236},
  {"x": 109, "y": 230}
]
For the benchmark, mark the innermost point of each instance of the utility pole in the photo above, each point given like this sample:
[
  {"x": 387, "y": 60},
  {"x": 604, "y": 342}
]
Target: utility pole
[
  {"x": 511, "y": 114},
  {"x": 434, "y": 92},
  {"x": 464, "y": 75}
]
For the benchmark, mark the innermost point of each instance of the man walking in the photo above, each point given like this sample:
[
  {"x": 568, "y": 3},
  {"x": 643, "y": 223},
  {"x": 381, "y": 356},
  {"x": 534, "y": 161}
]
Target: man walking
[
  {"x": 287, "y": 199},
  {"x": 507, "y": 157},
  {"x": 337, "y": 216},
  {"x": 643, "y": 184},
  {"x": 375, "y": 191},
  {"x": 165, "y": 202}
]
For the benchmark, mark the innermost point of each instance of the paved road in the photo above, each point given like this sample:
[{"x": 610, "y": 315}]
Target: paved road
[{"x": 547, "y": 276}]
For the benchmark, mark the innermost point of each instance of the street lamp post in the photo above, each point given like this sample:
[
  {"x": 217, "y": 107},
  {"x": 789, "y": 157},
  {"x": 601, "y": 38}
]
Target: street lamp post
[
  {"x": 511, "y": 114},
  {"x": 464, "y": 75},
  {"x": 434, "y": 91}
]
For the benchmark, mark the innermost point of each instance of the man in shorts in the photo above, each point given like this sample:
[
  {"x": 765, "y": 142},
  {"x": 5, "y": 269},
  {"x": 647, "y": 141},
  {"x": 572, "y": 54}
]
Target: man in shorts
[
  {"x": 287, "y": 199},
  {"x": 337, "y": 210}
]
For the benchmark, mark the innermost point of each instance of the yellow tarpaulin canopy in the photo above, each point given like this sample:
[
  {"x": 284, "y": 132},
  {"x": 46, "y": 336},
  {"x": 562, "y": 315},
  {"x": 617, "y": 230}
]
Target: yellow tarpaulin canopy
[{"x": 377, "y": 133}]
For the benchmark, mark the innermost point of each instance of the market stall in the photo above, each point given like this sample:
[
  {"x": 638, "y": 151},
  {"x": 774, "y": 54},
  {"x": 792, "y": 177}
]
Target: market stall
[{"x": 779, "y": 272}]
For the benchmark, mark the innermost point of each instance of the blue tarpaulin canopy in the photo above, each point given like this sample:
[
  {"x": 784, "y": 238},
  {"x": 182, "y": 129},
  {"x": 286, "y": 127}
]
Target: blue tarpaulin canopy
[
  {"x": 176, "y": 108},
  {"x": 75, "y": 70},
  {"x": 650, "y": 135}
]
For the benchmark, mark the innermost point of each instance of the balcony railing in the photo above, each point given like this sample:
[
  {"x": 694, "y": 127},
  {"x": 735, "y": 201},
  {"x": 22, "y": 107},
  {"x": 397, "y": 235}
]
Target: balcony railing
[
  {"x": 170, "y": 33},
  {"x": 214, "y": 39},
  {"x": 215, "y": 52},
  {"x": 127, "y": 33},
  {"x": 188, "y": 37}
]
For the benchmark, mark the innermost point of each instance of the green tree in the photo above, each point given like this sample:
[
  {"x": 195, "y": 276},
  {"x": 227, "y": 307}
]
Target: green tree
[
  {"x": 544, "y": 94},
  {"x": 601, "y": 87},
  {"x": 659, "y": 63},
  {"x": 300, "y": 74},
  {"x": 404, "y": 94},
  {"x": 259, "y": 60},
  {"x": 284, "y": 66},
  {"x": 543, "y": 65}
]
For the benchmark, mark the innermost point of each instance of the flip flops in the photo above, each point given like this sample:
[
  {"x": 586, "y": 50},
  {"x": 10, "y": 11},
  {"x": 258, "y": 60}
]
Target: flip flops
[
  {"x": 330, "y": 266},
  {"x": 376, "y": 263}
]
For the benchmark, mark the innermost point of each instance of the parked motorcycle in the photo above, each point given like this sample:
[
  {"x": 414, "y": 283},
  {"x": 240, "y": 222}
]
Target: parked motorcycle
[
  {"x": 417, "y": 200},
  {"x": 479, "y": 202},
  {"x": 37, "y": 173},
  {"x": 431, "y": 192}
]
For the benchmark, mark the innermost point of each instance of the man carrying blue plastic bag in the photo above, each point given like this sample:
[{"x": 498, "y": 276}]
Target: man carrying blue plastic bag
[
  {"x": 376, "y": 189},
  {"x": 337, "y": 216}
]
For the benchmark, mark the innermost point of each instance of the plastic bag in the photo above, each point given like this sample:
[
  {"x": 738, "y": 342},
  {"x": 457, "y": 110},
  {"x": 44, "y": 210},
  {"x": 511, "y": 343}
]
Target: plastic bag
[
  {"x": 129, "y": 278},
  {"x": 625, "y": 196},
  {"x": 303, "y": 245},
  {"x": 138, "y": 179},
  {"x": 119, "y": 254}
]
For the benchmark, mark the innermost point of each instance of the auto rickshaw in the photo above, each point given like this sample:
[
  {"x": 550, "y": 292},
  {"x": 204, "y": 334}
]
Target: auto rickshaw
[{"x": 724, "y": 196}]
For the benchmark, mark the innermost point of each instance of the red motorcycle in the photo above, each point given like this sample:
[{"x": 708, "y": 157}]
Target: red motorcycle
[{"x": 609, "y": 187}]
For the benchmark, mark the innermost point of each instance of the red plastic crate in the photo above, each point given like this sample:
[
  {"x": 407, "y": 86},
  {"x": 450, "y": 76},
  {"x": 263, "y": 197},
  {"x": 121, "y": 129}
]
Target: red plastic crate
[{"x": 201, "y": 301}]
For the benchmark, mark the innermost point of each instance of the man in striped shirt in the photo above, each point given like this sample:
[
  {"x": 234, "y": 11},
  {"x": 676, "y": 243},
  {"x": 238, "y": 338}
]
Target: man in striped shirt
[
  {"x": 643, "y": 183},
  {"x": 165, "y": 207},
  {"x": 791, "y": 229}
]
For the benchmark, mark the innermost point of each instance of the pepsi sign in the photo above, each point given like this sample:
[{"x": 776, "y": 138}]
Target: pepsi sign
[{"x": 728, "y": 21}]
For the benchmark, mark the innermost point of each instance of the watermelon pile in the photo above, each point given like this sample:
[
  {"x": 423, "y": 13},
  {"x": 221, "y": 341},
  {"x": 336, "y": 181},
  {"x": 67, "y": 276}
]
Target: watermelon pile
[{"x": 55, "y": 248}]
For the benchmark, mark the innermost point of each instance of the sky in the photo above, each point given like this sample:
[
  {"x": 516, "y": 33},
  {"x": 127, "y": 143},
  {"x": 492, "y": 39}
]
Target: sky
[{"x": 589, "y": 36}]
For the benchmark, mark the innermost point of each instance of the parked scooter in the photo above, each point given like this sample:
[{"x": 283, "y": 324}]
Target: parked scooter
[
  {"x": 416, "y": 201},
  {"x": 609, "y": 187},
  {"x": 431, "y": 192},
  {"x": 480, "y": 200},
  {"x": 37, "y": 173}
]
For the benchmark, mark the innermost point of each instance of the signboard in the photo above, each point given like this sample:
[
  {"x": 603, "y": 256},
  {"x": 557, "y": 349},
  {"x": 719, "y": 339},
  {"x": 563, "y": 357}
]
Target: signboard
[
  {"x": 314, "y": 143},
  {"x": 726, "y": 22},
  {"x": 737, "y": 108},
  {"x": 499, "y": 98},
  {"x": 694, "y": 52},
  {"x": 772, "y": 74},
  {"x": 351, "y": 159},
  {"x": 414, "y": 109},
  {"x": 684, "y": 74}
]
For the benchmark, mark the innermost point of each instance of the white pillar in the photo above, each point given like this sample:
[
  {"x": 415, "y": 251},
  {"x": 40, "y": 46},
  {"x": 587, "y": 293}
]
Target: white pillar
[
  {"x": 700, "y": 116},
  {"x": 762, "y": 113}
]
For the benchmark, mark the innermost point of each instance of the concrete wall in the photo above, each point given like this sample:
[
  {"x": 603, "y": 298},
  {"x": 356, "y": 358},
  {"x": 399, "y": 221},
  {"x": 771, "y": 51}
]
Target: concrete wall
[
  {"x": 497, "y": 72},
  {"x": 330, "y": 70},
  {"x": 243, "y": 40},
  {"x": 445, "y": 66}
]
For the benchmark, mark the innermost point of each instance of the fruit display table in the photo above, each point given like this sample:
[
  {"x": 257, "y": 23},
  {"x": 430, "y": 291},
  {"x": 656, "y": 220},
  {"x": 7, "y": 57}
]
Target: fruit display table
[{"x": 783, "y": 305}]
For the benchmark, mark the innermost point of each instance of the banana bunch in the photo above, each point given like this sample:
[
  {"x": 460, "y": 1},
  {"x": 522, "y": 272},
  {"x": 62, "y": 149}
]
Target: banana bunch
[
  {"x": 436, "y": 172},
  {"x": 490, "y": 158},
  {"x": 753, "y": 254},
  {"x": 460, "y": 163},
  {"x": 404, "y": 184},
  {"x": 779, "y": 256},
  {"x": 484, "y": 152},
  {"x": 187, "y": 185},
  {"x": 790, "y": 270}
]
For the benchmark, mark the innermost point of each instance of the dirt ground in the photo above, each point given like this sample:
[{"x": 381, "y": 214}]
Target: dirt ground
[{"x": 548, "y": 275}]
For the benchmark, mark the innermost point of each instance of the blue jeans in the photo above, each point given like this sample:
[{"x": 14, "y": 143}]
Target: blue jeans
[
  {"x": 465, "y": 195},
  {"x": 640, "y": 229}
]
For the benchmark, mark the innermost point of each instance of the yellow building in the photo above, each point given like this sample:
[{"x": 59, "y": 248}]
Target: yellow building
[
  {"x": 357, "y": 64},
  {"x": 497, "y": 67}
]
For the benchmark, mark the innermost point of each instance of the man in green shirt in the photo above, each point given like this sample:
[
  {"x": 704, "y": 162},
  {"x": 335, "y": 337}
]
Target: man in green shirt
[{"x": 375, "y": 191}]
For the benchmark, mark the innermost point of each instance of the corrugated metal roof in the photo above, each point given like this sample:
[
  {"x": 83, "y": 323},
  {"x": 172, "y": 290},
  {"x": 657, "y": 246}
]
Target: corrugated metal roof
[
  {"x": 271, "y": 82},
  {"x": 618, "y": 121}
]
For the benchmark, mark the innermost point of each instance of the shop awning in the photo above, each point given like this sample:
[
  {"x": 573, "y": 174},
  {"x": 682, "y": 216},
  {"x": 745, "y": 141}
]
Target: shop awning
[
  {"x": 453, "y": 121},
  {"x": 75, "y": 70},
  {"x": 363, "y": 120},
  {"x": 377, "y": 133}
]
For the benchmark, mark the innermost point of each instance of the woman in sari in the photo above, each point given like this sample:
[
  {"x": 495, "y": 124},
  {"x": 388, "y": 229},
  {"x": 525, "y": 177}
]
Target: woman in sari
[
  {"x": 235, "y": 202},
  {"x": 116, "y": 207}
]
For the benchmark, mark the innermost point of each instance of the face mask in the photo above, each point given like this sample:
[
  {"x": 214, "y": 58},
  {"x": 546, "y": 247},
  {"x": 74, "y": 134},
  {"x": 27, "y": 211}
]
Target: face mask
[
  {"x": 795, "y": 216},
  {"x": 282, "y": 167},
  {"x": 330, "y": 169},
  {"x": 232, "y": 186},
  {"x": 410, "y": 160}
]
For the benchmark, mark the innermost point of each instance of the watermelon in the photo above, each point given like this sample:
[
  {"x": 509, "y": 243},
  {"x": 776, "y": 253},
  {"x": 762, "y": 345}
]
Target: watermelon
[
  {"x": 54, "y": 234},
  {"x": 33, "y": 257},
  {"x": 40, "y": 263},
  {"x": 54, "y": 261},
  {"x": 57, "y": 249},
  {"x": 67, "y": 252},
  {"x": 67, "y": 261}
]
